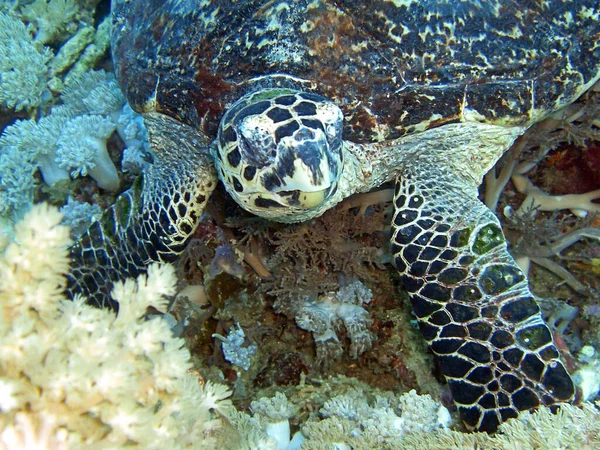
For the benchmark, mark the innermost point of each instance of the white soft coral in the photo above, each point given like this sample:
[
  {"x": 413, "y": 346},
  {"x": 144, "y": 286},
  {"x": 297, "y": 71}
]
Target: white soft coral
[
  {"x": 579, "y": 204},
  {"x": 81, "y": 148},
  {"x": 78, "y": 375},
  {"x": 62, "y": 144}
]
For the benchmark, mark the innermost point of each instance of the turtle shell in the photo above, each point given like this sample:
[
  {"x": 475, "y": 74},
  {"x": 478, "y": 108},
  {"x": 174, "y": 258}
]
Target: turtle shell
[{"x": 393, "y": 67}]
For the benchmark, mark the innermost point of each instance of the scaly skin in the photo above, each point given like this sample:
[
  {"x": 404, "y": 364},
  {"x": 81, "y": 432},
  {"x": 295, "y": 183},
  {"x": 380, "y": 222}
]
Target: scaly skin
[
  {"x": 472, "y": 301},
  {"x": 151, "y": 222}
]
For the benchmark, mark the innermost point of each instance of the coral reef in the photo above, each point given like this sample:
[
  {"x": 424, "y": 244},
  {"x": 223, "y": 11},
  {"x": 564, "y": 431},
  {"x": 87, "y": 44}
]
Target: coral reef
[
  {"x": 351, "y": 312},
  {"x": 30, "y": 70},
  {"x": 72, "y": 375},
  {"x": 386, "y": 417},
  {"x": 47, "y": 47},
  {"x": 559, "y": 156},
  {"x": 343, "y": 413},
  {"x": 285, "y": 298},
  {"x": 296, "y": 272}
]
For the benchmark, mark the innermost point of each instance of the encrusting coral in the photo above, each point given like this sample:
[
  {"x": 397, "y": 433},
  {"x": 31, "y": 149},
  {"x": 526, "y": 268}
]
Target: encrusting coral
[{"x": 72, "y": 375}]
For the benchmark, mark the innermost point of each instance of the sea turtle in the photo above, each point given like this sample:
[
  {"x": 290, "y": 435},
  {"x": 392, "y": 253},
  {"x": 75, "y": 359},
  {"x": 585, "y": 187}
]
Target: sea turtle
[{"x": 302, "y": 103}]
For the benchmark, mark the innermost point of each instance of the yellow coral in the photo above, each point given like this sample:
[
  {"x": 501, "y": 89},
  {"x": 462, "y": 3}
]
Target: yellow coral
[{"x": 72, "y": 375}]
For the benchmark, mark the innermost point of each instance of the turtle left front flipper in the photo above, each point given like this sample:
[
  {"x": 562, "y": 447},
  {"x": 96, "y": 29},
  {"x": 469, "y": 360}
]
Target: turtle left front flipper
[
  {"x": 153, "y": 220},
  {"x": 472, "y": 301}
]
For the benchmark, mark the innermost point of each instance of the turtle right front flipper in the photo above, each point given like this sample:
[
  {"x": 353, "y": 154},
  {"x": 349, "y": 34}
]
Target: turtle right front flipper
[
  {"x": 152, "y": 221},
  {"x": 472, "y": 301}
]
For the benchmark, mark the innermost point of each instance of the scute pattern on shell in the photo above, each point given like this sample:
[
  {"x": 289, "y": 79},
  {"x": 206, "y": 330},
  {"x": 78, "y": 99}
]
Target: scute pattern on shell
[{"x": 392, "y": 66}]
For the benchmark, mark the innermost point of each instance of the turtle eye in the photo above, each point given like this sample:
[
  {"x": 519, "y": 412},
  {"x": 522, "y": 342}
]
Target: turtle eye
[
  {"x": 256, "y": 146},
  {"x": 244, "y": 144},
  {"x": 331, "y": 130}
]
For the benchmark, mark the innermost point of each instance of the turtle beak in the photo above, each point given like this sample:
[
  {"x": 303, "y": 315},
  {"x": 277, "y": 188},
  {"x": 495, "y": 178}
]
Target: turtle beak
[
  {"x": 312, "y": 181},
  {"x": 313, "y": 199}
]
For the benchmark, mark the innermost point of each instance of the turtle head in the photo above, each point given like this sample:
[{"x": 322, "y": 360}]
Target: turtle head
[{"x": 278, "y": 151}]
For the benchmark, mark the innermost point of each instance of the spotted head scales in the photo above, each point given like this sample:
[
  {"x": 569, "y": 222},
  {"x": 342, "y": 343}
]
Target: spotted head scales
[
  {"x": 278, "y": 151},
  {"x": 297, "y": 105}
]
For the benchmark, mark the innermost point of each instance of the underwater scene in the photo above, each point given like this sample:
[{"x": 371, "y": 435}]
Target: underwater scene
[{"x": 299, "y": 225}]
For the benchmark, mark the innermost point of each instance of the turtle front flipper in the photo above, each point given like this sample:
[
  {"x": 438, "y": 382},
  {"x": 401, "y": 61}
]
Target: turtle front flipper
[
  {"x": 472, "y": 301},
  {"x": 152, "y": 221}
]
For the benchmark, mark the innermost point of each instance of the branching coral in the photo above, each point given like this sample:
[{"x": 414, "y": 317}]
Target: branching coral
[
  {"x": 69, "y": 52},
  {"x": 579, "y": 204},
  {"x": 88, "y": 57},
  {"x": 576, "y": 125},
  {"x": 541, "y": 241},
  {"x": 78, "y": 376},
  {"x": 558, "y": 154}
]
